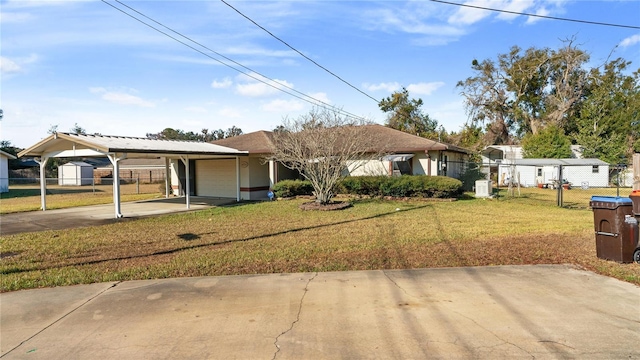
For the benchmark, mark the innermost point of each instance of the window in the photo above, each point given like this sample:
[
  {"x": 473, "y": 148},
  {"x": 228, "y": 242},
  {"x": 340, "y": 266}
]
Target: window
[
  {"x": 595, "y": 169},
  {"x": 539, "y": 172}
]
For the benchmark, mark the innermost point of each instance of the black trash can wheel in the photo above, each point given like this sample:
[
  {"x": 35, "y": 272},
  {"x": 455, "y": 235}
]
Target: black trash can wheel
[{"x": 636, "y": 255}]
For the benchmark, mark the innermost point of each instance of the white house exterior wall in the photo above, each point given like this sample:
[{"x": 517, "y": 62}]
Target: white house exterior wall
[
  {"x": 4, "y": 174},
  {"x": 421, "y": 164},
  {"x": 368, "y": 168},
  {"x": 254, "y": 179}
]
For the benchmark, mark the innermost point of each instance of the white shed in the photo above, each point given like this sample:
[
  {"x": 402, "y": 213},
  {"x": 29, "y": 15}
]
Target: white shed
[
  {"x": 579, "y": 172},
  {"x": 4, "y": 171},
  {"x": 75, "y": 173}
]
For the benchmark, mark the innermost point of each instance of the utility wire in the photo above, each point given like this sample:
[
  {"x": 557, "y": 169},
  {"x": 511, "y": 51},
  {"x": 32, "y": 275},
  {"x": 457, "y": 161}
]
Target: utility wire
[
  {"x": 301, "y": 54},
  {"x": 539, "y": 16},
  {"x": 301, "y": 96}
]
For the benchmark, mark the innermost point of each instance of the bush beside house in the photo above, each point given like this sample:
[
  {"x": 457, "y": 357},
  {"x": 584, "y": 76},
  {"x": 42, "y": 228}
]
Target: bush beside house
[{"x": 376, "y": 186}]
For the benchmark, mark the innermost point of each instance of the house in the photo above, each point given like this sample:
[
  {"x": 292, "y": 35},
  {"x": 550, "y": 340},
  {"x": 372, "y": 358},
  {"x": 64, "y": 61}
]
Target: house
[
  {"x": 506, "y": 164},
  {"x": 75, "y": 173},
  {"x": 407, "y": 154},
  {"x": 4, "y": 170}
]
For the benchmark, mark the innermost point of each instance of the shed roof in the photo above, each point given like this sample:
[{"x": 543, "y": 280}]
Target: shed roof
[
  {"x": 141, "y": 147},
  {"x": 77, "y": 163},
  {"x": 6, "y": 154}
]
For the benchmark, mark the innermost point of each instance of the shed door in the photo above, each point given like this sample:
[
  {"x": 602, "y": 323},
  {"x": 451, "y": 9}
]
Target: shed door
[{"x": 216, "y": 178}]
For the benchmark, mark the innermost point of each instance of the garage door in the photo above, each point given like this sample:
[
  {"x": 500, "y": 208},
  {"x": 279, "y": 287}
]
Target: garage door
[{"x": 216, "y": 178}]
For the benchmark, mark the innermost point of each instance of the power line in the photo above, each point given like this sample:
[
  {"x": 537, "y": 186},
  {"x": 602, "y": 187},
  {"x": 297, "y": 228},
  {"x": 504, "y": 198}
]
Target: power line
[
  {"x": 539, "y": 16},
  {"x": 301, "y": 95},
  {"x": 301, "y": 54}
]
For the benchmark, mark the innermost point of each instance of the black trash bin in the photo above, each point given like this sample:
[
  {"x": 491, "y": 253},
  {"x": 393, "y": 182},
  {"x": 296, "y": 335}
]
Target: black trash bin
[{"x": 616, "y": 228}]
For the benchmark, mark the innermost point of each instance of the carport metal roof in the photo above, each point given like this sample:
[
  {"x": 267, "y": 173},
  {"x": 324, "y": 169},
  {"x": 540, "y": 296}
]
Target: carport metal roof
[{"x": 117, "y": 148}]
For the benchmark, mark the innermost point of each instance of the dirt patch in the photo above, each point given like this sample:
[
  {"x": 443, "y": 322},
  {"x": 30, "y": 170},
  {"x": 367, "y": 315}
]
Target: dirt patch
[{"x": 336, "y": 205}]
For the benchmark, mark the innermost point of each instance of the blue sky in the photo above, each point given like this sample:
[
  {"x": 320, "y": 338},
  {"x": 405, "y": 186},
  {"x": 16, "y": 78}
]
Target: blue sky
[{"x": 68, "y": 62}]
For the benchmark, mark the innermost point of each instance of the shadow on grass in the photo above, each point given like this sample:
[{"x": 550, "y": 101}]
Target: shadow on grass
[{"x": 191, "y": 236}]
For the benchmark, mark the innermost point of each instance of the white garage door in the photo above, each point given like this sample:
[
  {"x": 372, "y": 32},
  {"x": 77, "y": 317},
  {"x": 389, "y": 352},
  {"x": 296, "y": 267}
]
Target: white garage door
[{"x": 216, "y": 178}]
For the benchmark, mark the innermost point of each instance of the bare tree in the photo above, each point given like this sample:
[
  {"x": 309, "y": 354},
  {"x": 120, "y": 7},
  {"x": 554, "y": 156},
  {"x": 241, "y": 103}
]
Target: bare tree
[{"x": 323, "y": 146}]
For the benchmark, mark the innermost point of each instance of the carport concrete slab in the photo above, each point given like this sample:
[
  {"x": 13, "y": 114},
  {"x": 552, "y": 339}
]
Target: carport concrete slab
[
  {"x": 501, "y": 312},
  {"x": 83, "y": 216}
]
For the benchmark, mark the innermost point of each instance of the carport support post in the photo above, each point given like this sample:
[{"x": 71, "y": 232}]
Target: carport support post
[
  {"x": 115, "y": 161},
  {"x": 185, "y": 161},
  {"x": 43, "y": 182},
  {"x": 237, "y": 178},
  {"x": 166, "y": 177}
]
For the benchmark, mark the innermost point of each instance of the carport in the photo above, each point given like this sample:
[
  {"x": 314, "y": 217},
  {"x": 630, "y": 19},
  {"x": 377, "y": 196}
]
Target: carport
[{"x": 118, "y": 148}]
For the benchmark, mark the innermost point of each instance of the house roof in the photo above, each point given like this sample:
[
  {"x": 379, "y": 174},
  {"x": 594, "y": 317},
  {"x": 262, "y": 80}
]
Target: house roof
[
  {"x": 556, "y": 162},
  {"x": 58, "y": 144},
  {"x": 6, "y": 154},
  {"x": 394, "y": 141},
  {"x": 258, "y": 142}
]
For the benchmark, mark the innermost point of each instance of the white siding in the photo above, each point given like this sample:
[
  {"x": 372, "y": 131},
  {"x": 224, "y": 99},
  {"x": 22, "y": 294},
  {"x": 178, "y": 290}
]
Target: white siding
[
  {"x": 216, "y": 178},
  {"x": 4, "y": 174}
]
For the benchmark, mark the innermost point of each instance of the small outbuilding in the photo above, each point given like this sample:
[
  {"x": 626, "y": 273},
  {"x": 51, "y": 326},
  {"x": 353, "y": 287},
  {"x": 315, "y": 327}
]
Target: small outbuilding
[
  {"x": 75, "y": 173},
  {"x": 4, "y": 170}
]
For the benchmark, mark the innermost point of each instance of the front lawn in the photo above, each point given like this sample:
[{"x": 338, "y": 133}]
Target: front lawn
[{"x": 276, "y": 237}]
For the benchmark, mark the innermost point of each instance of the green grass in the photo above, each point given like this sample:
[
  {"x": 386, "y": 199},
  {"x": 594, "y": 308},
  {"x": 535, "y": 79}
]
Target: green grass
[{"x": 276, "y": 237}]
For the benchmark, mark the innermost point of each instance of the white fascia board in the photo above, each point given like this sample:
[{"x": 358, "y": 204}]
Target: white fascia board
[{"x": 74, "y": 153}]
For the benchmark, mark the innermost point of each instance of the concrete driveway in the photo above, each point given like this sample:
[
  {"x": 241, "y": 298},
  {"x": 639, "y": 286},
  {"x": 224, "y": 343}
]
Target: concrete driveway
[
  {"x": 505, "y": 312},
  {"x": 100, "y": 214}
]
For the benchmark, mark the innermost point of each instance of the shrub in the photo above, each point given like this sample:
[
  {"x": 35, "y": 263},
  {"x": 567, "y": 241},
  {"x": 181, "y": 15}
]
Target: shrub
[
  {"x": 402, "y": 186},
  {"x": 290, "y": 188}
]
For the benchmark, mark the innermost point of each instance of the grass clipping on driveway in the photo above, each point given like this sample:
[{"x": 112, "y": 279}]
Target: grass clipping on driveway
[{"x": 277, "y": 237}]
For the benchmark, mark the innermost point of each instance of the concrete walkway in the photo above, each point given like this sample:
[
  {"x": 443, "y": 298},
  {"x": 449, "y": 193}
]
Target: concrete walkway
[
  {"x": 99, "y": 214},
  {"x": 505, "y": 312}
]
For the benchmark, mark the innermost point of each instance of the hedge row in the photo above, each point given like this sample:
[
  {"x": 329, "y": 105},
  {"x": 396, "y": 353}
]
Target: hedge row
[{"x": 402, "y": 186}]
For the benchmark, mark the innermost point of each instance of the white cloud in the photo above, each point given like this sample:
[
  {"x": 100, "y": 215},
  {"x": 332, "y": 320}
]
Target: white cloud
[
  {"x": 321, "y": 96},
  {"x": 283, "y": 106},
  {"x": 121, "y": 98},
  {"x": 195, "y": 109},
  {"x": 16, "y": 65},
  {"x": 468, "y": 15},
  {"x": 254, "y": 88},
  {"x": 14, "y": 17},
  {"x": 230, "y": 113},
  {"x": 424, "y": 88},
  {"x": 225, "y": 83},
  {"x": 387, "y": 87},
  {"x": 8, "y": 66},
  {"x": 541, "y": 12},
  {"x": 631, "y": 40}
]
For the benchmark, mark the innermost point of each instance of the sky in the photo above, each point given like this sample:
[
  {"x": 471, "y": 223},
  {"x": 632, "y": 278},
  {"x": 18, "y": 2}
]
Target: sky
[{"x": 67, "y": 62}]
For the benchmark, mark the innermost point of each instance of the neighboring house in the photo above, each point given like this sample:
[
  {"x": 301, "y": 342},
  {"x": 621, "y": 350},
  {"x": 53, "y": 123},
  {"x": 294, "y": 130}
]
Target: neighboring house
[
  {"x": 506, "y": 163},
  {"x": 4, "y": 170},
  {"x": 75, "y": 173},
  {"x": 408, "y": 154}
]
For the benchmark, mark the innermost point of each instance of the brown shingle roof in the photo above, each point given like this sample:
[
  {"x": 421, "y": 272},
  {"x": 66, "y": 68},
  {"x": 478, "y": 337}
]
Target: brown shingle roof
[
  {"x": 259, "y": 142},
  {"x": 391, "y": 140}
]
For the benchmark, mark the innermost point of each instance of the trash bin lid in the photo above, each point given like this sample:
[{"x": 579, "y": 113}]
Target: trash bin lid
[{"x": 609, "y": 202}]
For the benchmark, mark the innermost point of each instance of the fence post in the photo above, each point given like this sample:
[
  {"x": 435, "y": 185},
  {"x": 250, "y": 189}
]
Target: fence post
[
  {"x": 636, "y": 171},
  {"x": 560, "y": 186},
  {"x": 138, "y": 183},
  {"x": 93, "y": 184}
]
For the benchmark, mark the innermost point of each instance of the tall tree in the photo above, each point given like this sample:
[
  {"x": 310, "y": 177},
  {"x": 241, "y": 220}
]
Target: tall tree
[
  {"x": 605, "y": 126},
  {"x": 406, "y": 115},
  {"x": 522, "y": 92}
]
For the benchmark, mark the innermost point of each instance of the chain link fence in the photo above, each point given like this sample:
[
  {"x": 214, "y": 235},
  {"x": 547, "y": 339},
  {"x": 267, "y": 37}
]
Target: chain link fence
[
  {"x": 555, "y": 182},
  {"x": 131, "y": 185}
]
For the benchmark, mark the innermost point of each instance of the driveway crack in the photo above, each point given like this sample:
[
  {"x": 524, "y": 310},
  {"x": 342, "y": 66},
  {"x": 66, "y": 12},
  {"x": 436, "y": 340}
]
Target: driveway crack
[
  {"x": 306, "y": 288},
  {"x": 62, "y": 317},
  {"x": 397, "y": 285}
]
